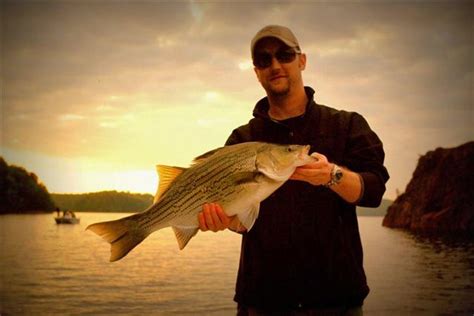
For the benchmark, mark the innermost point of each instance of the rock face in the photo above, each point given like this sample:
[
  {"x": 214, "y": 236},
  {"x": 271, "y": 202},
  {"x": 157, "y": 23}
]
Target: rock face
[{"x": 440, "y": 196}]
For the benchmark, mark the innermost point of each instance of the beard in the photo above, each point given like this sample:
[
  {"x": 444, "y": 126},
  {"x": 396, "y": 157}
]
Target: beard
[{"x": 278, "y": 93}]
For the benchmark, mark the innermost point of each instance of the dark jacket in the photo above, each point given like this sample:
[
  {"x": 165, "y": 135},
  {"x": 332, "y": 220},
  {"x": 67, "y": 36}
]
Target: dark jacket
[{"x": 304, "y": 249}]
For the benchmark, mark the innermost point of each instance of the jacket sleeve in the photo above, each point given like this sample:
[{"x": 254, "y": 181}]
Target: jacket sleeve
[
  {"x": 239, "y": 135},
  {"x": 364, "y": 154}
]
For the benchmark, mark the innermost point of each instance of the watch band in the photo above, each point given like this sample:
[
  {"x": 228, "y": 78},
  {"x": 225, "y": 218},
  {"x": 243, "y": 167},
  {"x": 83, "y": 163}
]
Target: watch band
[{"x": 336, "y": 176}]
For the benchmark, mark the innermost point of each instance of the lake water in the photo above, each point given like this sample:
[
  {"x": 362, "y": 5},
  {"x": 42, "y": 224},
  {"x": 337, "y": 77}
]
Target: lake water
[{"x": 49, "y": 269}]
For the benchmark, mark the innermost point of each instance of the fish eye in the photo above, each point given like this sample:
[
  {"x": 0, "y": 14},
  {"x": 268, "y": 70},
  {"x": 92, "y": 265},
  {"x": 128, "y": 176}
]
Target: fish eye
[{"x": 288, "y": 149}]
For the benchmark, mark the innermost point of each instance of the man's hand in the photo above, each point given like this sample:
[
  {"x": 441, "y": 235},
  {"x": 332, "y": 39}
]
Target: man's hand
[
  {"x": 213, "y": 218},
  {"x": 319, "y": 173},
  {"x": 316, "y": 173}
]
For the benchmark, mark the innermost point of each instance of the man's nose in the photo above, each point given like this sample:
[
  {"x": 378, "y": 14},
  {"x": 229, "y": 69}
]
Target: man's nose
[{"x": 275, "y": 63}]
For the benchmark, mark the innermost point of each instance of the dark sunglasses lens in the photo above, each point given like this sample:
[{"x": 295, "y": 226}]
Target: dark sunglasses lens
[
  {"x": 262, "y": 60},
  {"x": 285, "y": 56}
]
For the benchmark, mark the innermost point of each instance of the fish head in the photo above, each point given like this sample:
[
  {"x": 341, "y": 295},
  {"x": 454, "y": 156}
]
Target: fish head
[{"x": 280, "y": 161}]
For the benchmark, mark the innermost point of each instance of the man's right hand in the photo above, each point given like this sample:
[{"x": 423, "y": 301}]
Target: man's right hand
[{"x": 213, "y": 218}]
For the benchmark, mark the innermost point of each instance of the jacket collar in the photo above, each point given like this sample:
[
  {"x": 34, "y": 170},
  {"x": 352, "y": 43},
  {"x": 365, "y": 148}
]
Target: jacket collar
[{"x": 262, "y": 106}]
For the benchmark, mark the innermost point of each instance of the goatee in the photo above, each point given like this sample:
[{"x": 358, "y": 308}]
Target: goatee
[{"x": 278, "y": 93}]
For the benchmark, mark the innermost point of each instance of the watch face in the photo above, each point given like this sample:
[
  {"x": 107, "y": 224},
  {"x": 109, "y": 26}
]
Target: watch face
[{"x": 336, "y": 175}]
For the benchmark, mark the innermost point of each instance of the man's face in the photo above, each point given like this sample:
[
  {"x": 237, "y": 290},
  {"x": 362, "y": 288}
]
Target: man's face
[{"x": 279, "y": 77}]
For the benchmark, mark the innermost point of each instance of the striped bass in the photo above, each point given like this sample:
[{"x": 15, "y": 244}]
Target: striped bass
[{"x": 238, "y": 177}]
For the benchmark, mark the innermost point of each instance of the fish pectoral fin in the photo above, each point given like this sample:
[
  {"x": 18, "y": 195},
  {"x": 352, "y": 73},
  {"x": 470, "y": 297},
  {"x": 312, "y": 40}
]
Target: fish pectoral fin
[
  {"x": 240, "y": 178},
  {"x": 249, "y": 217},
  {"x": 167, "y": 175},
  {"x": 184, "y": 235}
]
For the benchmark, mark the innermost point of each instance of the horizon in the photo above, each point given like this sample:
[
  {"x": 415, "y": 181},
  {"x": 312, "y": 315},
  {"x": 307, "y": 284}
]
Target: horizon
[{"x": 95, "y": 95}]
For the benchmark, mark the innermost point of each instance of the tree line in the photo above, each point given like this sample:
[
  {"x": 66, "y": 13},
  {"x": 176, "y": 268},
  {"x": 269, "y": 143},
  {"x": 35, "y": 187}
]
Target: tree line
[
  {"x": 105, "y": 201},
  {"x": 21, "y": 191}
]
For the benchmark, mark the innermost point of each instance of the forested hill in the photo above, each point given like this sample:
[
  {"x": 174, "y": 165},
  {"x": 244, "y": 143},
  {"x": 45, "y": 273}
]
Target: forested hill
[
  {"x": 21, "y": 191},
  {"x": 105, "y": 201}
]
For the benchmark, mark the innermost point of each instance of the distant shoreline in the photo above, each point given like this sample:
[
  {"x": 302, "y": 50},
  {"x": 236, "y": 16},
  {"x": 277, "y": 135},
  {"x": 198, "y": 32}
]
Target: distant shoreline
[
  {"x": 27, "y": 212},
  {"x": 123, "y": 202}
]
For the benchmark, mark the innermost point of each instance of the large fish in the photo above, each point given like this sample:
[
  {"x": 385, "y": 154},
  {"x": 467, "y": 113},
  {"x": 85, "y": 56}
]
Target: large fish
[{"x": 238, "y": 177}]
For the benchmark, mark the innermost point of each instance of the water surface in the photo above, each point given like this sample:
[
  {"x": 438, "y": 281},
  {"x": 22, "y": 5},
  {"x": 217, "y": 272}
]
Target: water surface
[{"x": 49, "y": 269}]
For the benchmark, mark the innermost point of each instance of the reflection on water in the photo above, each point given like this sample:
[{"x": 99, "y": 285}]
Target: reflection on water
[
  {"x": 410, "y": 274},
  {"x": 62, "y": 269},
  {"x": 49, "y": 269}
]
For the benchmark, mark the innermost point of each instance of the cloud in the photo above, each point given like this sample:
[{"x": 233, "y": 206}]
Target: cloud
[
  {"x": 128, "y": 81},
  {"x": 70, "y": 117}
]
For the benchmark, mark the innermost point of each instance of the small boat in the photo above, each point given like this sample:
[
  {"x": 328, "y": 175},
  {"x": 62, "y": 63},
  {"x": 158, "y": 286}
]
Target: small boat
[{"x": 68, "y": 218}]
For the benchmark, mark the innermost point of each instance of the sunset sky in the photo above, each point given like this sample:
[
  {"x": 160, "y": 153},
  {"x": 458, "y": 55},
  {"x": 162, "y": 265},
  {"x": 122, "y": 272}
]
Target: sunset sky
[{"x": 95, "y": 94}]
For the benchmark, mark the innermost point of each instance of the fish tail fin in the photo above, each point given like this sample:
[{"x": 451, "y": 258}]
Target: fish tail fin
[{"x": 122, "y": 234}]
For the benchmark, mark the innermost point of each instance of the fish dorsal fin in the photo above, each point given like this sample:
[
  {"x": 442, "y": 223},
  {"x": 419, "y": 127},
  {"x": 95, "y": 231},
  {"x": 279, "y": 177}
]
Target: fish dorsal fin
[
  {"x": 249, "y": 217},
  {"x": 184, "y": 234},
  {"x": 204, "y": 156},
  {"x": 167, "y": 175}
]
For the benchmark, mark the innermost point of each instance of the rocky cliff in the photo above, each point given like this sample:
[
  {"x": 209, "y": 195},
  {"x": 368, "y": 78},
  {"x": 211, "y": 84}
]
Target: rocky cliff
[{"x": 440, "y": 196}]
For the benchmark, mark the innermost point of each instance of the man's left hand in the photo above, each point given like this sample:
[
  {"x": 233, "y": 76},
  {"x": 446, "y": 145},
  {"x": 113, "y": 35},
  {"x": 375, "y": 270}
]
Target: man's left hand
[
  {"x": 316, "y": 173},
  {"x": 319, "y": 173}
]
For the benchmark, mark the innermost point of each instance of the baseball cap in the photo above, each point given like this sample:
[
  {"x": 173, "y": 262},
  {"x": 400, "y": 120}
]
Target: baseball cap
[{"x": 282, "y": 33}]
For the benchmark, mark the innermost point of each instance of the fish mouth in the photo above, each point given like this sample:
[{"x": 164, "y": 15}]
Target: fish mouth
[
  {"x": 306, "y": 149},
  {"x": 304, "y": 152}
]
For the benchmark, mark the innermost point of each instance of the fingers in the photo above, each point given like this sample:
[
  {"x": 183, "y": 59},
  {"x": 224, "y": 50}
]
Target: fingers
[
  {"x": 320, "y": 162},
  {"x": 312, "y": 176},
  {"x": 219, "y": 219},
  {"x": 205, "y": 219},
  {"x": 208, "y": 209},
  {"x": 213, "y": 218},
  {"x": 306, "y": 172},
  {"x": 223, "y": 218},
  {"x": 318, "y": 156},
  {"x": 316, "y": 173},
  {"x": 202, "y": 221}
]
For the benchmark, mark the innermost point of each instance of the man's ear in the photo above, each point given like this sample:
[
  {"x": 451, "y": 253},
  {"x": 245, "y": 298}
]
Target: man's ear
[
  {"x": 302, "y": 61},
  {"x": 257, "y": 73}
]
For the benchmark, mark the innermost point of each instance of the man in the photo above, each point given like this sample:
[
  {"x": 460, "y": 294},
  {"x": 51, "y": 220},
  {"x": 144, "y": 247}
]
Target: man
[{"x": 304, "y": 253}]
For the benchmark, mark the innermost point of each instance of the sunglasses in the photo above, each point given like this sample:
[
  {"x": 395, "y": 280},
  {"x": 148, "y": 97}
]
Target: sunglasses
[{"x": 264, "y": 60}]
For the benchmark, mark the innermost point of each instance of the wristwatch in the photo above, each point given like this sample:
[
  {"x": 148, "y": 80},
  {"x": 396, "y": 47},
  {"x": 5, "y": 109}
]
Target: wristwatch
[{"x": 336, "y": 176}]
